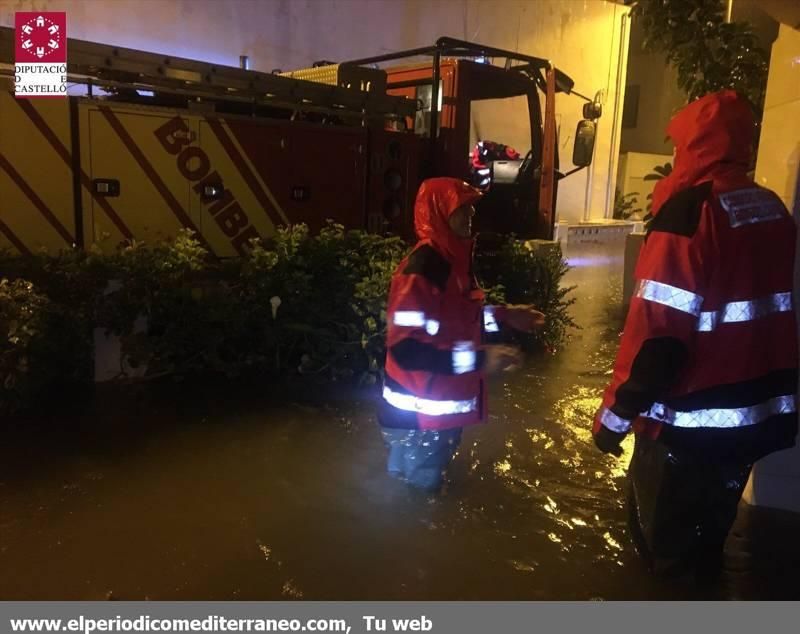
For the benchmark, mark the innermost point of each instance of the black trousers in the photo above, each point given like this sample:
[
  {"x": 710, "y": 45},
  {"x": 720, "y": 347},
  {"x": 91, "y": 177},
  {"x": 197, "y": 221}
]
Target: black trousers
[{"x": 682, "y": 504}]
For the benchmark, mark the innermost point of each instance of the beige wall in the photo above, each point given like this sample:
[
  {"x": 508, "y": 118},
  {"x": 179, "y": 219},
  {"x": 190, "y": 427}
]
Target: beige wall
[
  {"x": 778, "y": 162},
  {"x": 776, "y": 479},
  {"x": 659, "y": 99},
  {"x": 633, "y": 167},
  {"x": 583, "y": 37}
]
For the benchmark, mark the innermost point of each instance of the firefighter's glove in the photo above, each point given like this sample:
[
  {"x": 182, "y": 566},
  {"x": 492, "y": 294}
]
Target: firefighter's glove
[{"x": 609, "y": 441}]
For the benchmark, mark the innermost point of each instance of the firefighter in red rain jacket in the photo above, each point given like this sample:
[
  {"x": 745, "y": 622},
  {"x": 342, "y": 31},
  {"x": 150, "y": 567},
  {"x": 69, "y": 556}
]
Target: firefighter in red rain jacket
[
  {"x": 435, "y": 359},
  {"x": 706, "y": 373}
]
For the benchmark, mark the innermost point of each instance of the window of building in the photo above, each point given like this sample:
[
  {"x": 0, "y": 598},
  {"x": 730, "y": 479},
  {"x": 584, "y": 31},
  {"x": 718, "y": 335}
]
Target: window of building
[{"x": 630, "y": 109}]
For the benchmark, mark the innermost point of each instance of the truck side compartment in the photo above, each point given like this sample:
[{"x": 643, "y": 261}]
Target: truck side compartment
[{"x": 37, "y": 209}]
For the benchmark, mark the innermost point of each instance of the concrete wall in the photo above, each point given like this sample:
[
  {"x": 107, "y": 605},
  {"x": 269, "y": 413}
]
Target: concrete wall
[
  {"x": 659, "y": 99},
  {"x": 659, "y": 95},
  {"x": 776, "y": 479},
  {"x": 586, "y": 38},
  {"x": 778, "y": 165}
]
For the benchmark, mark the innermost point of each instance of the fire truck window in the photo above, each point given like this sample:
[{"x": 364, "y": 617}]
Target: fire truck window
[
  {"x": 422, "y": 122},
  {"x": 504, "y": 121}
]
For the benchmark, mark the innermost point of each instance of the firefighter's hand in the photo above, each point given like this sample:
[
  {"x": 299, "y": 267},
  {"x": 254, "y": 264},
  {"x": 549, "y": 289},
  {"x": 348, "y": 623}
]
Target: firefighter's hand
[
  {"x": 523, "y": 318},
  {"x": 609, "y": 441},
  {"x": 502, "y": 358}
]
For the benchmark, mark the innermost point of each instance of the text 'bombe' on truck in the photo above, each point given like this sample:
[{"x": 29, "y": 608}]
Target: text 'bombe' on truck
[{"x": 153, "y": 144}]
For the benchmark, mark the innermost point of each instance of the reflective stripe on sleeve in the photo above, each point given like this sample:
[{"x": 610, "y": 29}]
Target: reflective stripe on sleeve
[
  {"x": 613, "y": 422},
  {"x": 736, "y": 312},
  {"x": 415, "y": 319},
  {"x": 464, "y": 357},
  {"x": 412, "y": 318},
  {"x": 723, "y": 418},
  {"x": 671, "y": 296},
  {"x": 489, "y": 321}
]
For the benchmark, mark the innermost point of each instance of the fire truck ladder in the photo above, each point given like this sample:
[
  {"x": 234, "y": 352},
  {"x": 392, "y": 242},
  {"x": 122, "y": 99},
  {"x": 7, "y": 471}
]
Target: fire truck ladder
[{"x": 359, "y": 95}]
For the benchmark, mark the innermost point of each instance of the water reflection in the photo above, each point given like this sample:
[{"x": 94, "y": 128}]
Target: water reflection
[{"x": 270, "y": 501}]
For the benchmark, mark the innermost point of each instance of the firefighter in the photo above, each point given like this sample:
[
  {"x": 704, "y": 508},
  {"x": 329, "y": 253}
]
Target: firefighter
[
  {"x": 706, "y": 373},
  {"x": 435, "y": 361}
]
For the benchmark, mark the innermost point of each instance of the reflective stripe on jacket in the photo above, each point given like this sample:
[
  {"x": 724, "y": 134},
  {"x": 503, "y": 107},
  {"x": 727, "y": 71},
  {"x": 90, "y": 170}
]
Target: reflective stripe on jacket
[
  {"x": 435, "y": 317},
  {"x": 710, "y": 339}
]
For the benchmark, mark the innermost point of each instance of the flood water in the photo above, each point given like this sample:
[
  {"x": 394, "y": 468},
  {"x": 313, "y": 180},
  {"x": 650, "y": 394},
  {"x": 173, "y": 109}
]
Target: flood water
[{"x": 213, "y": 495}]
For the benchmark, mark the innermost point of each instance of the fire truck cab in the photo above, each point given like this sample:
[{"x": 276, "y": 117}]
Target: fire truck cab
[{"x": 476, "y": 102}]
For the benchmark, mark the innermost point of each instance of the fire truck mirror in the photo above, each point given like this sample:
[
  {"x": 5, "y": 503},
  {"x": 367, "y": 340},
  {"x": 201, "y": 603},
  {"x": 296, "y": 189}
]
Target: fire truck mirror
[
  {"x": 592, "y": 110},
  {"x": 583, "y": 150},
  {"x": 564, "y": 83}
]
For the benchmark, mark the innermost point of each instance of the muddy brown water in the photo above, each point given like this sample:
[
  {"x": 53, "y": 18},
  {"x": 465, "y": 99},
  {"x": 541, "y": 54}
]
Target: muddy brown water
[{"x": 218, "y": 496}]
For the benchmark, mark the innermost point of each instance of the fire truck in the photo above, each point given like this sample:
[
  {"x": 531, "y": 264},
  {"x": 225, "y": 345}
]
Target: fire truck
[{"x": 154, "y": 144}]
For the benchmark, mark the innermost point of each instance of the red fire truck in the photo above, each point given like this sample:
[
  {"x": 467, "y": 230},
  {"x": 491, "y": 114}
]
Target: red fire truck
[{"x": 156, "y": 143}]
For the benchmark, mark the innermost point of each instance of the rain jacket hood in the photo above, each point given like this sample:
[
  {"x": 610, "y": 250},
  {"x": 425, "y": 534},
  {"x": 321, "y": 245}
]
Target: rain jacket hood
[
  {"x": 436, "y": 201},
  {"x": 708, "y": 353},
  {"x": 713, "y": 139}
]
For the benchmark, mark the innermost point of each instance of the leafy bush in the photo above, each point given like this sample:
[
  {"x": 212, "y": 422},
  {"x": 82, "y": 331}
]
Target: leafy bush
[
  {"x": 625, "y": 205},
  {"x": 659, "y": 172},
  {"x": 313, "y": 305},
  {"x": 708, "y": 53},
  {"x": 518, "y": 273},
  {"x": 42, "y": 346},
  {"x": 331, "y": 289},
  {"x": 149, "y": 302},
  {"x": 22, "y": 317}
]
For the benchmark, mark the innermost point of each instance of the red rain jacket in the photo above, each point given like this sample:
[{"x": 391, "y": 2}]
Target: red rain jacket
[
  {"x": 436, "y": 319},
  {"x": 709, "y": 349}
]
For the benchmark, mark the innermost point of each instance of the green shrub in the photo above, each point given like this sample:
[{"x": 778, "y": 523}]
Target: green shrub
[
  {"x": 43, "y": 346},
  {"x": 313, "y": 305},
  {"x": 625, "y": 205},
  {"x": 332, "y": 290},
  {"x": 707, "y": 52},
  {"x": 22, "y": 319},
  {"x": 151, "y": 284},
  {"x": 517, "y": 273}
]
